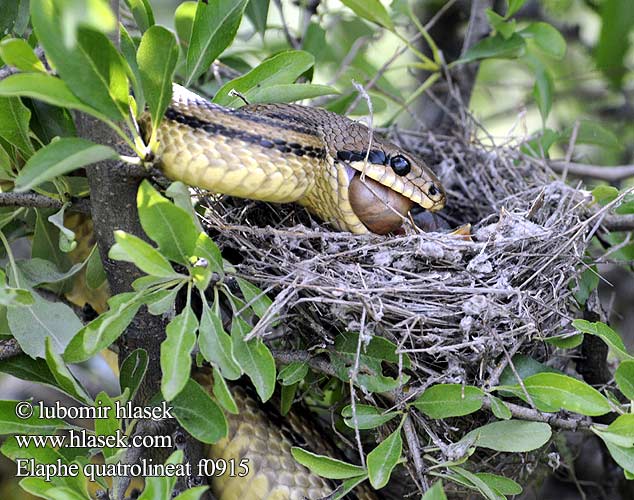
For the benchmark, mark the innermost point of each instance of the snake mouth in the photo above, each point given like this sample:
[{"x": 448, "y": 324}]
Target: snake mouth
[{"x": 381, "y": 209}]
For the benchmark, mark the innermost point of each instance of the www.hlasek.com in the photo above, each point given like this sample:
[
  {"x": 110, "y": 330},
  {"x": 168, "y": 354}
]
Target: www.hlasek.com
[{"x": 82, "y": 438}]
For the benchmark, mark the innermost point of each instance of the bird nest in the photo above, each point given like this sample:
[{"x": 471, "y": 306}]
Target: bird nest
[{"x": 459, "y": 307}]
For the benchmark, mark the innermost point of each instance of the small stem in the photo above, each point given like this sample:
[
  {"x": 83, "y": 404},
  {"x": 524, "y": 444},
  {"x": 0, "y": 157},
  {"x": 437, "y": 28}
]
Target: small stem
[{"x": 7, "y": 247}]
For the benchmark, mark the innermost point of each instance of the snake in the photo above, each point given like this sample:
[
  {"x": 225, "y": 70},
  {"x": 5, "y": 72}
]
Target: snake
[{"x": 342, "y": 172}]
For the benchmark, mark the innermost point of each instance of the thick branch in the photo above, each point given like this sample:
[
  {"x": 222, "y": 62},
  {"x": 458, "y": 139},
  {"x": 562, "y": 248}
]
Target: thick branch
[
  {"x": 34, "y": 200},
  {"x": 610, "y": 174},
  {"x": 619, "y": 222},
  {"x": 567, "y": 424}
]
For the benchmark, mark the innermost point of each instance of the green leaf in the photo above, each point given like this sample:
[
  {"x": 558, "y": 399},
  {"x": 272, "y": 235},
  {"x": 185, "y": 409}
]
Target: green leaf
[
  {"x": 32, "y": 324},
  {"x": 10, "y": 423},
  {"x": 184, "y": 20},
  {"x": 540, "y": 145},
  {"x": 46, "y": 241},
  {"x": 499, "y": 24},
  {"x": 157, "y": 73},
  {"x": 619, "y": 432},
  {"x": 368, "y": 417},
  {"x": 287, "y": 398},
  {"x": 499, "y": 408},
  {"x": 466, "y": 478},
  {"x": 67, "y": 241},
  {"x": 554, "y": 390},
  {"x": 133, "y": 249},
  {"x": 624, "y": 377},
  {"x": 324, "y": 466},
  {"x": 259, "y": 301},
  {"x": 142, "y": 12},
  {"x": 525, "y": 366},
  {"x": 609, "y": 336},
  {"x": 45, "y": 88},
  {"x": 379, "y": 349},
  {"x": 215, "y": 26},
  {"x": 163, "y": 301},
  {"x": 289, "y": 92},
  {"x": 64, "y": 378},
  {"x": 45, "y": 455},
  {"x": 566, "y": 341},
  {"x": 208, "y": 250},
  {"x": 500, "y": 484},
  {"x": 129, "y": 50},
  {"x": 547, "y": 38},
  {"x": 109, "y": 425},
  {"x": 254, "y": 358},
  {"x": 449, "y": 400},
  {"x": 198, "y": 413},
  {"x": 258, "y": 11},
  {"x": 584, "y": 284},
  {"x": 14, "y": 124},
  {"x": 382, "y": 459},
  {"x": 132, "y": 371},
  {"x": 283, "y": 68},
  {"x": 105, "y": 329},
  {"x": 621, "y": 455},
  {"x": 176, "y": 352},
  {"x": 223, "y": 393},
  {"x": 496, "y": 47},
  {"x": 194, "y": 493},
  {"x": 372, "y": 10},
  {"x": 93, "y": 69},
  {"x": 509, "y": 435},
  {"x": 181, "y": 194},
  {"x": 160, "y": 487},
  {"x": 169, "y": 226},
  {"x": 604, "y": 194},
  {"x": 58, "y": 158},
  {"x": 543, "y": 91},
  {"x": 215, "y": 344},
  {"x": 348, "y": 485},
  {"x": 514, "y": 6},
  {"x": 617, "y": 21},
  {"x": 25, "y": 367},
  {"x": 293, "y": 373},
  {"x": 17, "y": 52},
  {"x": 436, "y": 492},
  {"x": 16, "y": 297},
  {"x": 591, "y": 132}
]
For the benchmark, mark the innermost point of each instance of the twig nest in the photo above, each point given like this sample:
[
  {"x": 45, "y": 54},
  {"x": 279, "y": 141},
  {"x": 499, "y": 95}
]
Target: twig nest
[{"x": 380, "y": 208}]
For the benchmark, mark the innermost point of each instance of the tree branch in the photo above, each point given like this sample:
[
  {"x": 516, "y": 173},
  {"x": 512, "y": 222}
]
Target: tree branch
[
  {"x": 571, "y": 424},
  {"x": 619, "y": 222},
  {"x": 607, "y": 173},
  {"x": 34, "y": 200}
]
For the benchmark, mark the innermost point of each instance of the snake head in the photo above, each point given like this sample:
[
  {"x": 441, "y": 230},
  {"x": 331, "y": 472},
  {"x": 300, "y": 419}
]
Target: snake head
[{"x": 386, "y": 183}]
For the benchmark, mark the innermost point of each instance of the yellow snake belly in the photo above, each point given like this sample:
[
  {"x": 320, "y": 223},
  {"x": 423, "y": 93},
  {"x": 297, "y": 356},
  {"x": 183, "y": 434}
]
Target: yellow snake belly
[
  {"x": 286, "y": 153},
  {"x": 264, "y": 438}
]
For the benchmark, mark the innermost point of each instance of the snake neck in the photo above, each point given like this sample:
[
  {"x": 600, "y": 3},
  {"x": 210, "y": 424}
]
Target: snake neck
[{"x": 251, "y": 153}]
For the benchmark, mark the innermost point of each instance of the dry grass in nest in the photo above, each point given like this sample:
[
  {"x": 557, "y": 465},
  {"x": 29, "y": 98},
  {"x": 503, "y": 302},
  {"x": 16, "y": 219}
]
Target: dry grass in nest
[{"x": 460, "y": 309}]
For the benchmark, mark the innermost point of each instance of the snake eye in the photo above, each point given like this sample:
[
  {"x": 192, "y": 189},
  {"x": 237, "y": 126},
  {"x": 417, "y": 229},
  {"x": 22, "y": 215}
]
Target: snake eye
[{"x": 400, "y": 165}]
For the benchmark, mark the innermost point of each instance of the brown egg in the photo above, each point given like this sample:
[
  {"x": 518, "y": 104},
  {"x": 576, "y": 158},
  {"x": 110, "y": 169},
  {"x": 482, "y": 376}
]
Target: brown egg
[{"x": 377, "y": 206}]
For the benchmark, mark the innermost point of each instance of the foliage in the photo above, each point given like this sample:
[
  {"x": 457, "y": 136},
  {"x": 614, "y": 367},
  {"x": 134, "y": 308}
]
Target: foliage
[{"x": 39, "y": 152}]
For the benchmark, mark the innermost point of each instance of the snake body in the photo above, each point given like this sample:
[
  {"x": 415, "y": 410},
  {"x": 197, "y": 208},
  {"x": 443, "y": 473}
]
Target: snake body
[{"x": 290, "y": 153}]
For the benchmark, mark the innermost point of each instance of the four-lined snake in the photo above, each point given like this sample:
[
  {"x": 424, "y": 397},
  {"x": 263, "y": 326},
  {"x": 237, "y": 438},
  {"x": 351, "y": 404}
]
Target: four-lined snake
[
  {"x": 342, "y": 173},
  {"x": 335, "y": 167}
]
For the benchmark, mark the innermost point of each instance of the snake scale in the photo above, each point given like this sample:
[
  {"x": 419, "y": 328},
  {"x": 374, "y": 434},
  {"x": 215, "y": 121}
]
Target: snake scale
[{"x": 347, "y": 176}]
